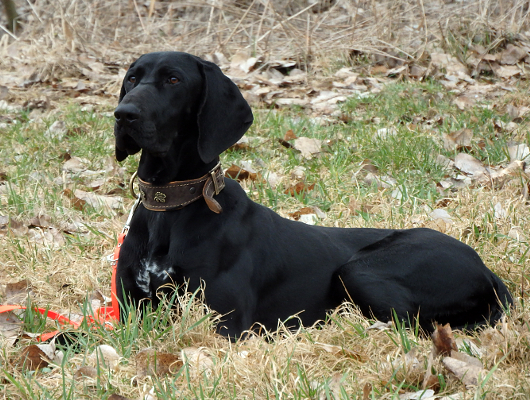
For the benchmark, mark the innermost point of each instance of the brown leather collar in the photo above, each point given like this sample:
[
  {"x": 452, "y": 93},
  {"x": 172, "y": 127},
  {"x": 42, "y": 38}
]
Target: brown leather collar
[{"x": 178, "y": 194}]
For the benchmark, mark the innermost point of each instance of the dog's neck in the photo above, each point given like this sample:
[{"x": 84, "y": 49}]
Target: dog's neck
[{"x": 181, "y": 163}]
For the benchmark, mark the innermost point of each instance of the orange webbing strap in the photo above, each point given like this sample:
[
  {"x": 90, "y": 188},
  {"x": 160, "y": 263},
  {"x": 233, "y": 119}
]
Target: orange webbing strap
[
  {"x": 101, "y": 315},
  {"x": 47, "y": 313},
  {"x": 113, "y": 283}
]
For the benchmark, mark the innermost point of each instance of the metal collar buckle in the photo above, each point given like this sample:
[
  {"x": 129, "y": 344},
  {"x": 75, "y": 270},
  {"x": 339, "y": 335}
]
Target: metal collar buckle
[{"x": 213, "y": 174}]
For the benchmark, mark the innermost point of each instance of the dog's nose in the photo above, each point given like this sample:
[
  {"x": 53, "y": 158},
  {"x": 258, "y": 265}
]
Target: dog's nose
[{"x": 126, "y": 113}]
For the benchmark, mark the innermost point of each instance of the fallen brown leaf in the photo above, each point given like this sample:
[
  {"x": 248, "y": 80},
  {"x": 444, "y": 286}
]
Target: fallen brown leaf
[
  {"x": 506, "y": 71},
  {"x": 379, "y": 70},
  {"x": 368, "y": 166},
  {"x": 467, "y": 373},
  {"x": 86, "y": 372},
  {"x": 432, "y": 382},
  {"x": 298, "y": 172},
  {"x": 75, "y": 202},
  {"x": 57, "y": 130},
  {"x": 308, "y": 147},
  {"x": 41, "y": 221},
  {"x": 465, "y": 101},
  {"x": 239, "y": 173},
  {"x": 241, "y": 144},
  {"x": 32, "y": 358},
  {"x": 198, "y": 359},
  {"x": 443, "y": 340},
  {"x": 75, "y": 165},
  {"x": 458, "y": 355},
  {"x": 459, "y": 140},
  {"x": 367, "y": 390},
  {"x": 333, "y": 387},
  {"x": 379, "y": 181},
  {"x": 151, "y": 363},
  {"x": 99, "y": 201},
  {"x": 470, "y": 165},
  {"x": 272, "y": 178},
  {"x": 17, "y": 292},
  {"x": 303, "y": 211},
  {"x": 10, "y": 327},
  {"x": 511, "y": 55},
  {"x": 13, "y": 225},
  {"x": 96, "y": 184},
  {"x": 449, "y": 63},
  {"x": 289, "y": 135},
  {"x": 299, "y": 188},
  {"x": 380, "y": 325},
  {"x": 497, "y": 178},
  {"x": 519, "y": 152},
  {"x": 50, "y": 237}
]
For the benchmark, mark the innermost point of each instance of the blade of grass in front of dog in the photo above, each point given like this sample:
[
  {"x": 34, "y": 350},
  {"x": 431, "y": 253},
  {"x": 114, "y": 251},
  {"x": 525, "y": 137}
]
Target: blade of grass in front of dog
[{"x": 400, "y": 331}]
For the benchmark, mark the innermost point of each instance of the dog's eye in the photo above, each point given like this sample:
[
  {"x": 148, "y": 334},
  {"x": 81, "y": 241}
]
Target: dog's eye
[
  {"x": 132, "y": 79},
  {"x": 173, "y": 80}
]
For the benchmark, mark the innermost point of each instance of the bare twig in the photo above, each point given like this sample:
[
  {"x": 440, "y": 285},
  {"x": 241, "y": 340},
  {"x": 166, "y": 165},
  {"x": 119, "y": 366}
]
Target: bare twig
[
  {"x": 239, "y": 23},
  {"x": 279, "y": 24},
  {"x": 151, "y": 8},
  {"x": 9, "y": 32},
  {"x": 140, "y": 17}
]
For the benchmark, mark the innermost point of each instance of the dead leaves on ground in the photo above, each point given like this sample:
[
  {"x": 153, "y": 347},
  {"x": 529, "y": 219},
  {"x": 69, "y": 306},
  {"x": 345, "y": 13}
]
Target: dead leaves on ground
[
  {"x": 240, "y": 173},
  {"x": 299, "y": 189},
  {"x": 283, "y": 84},
  {"x": 466, "y": 368},
  {"x": 467, "y": 170},
  {"x": 41, "y": 230},
  {"x": 38, "y": 356},
  {"x": 151, "y": 363},
  {"x": 100, "y": 184},
  {"x": 10, "y": 328},
  {"x": 307, "y": 147},
  {"x": 48, "y": 234},
  {"x": 13, "y": 293},
  {"x": 445, "y": 359}
]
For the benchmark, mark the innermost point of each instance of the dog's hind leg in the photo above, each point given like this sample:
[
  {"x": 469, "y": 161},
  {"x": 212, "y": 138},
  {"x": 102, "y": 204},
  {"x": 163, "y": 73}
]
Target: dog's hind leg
[
  {"x": 424, "y": 274},
  {"x": 376, "y": 297}
]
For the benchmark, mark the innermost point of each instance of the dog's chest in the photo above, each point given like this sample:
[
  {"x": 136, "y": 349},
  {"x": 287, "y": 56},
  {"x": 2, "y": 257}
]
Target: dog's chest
[
  {"x": 162, "y": 252},
  {"x": 152, "y": 274}
]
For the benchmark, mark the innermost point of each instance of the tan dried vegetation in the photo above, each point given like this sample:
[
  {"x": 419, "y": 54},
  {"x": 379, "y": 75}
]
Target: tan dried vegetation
[{"x": 310, "y": 56}]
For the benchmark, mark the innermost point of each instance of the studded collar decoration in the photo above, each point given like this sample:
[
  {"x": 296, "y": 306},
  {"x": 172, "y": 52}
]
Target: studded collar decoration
[{"x": 178, "y": 194}]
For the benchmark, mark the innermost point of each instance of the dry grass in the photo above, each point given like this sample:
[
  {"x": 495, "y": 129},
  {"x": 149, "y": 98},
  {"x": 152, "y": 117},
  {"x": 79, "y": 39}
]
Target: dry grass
[
  {"x": 300, "y": 364},
  {"x": 55, "y": 32}
]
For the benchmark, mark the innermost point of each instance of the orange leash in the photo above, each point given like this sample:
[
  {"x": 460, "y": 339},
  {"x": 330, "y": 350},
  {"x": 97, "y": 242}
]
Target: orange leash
[
  {"x": 115, "y": 309},
  {"x": 103, "y": 315}
]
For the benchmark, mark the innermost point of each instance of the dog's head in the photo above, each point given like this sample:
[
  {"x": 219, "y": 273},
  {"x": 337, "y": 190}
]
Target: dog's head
[{"x": 167, "y": 94}]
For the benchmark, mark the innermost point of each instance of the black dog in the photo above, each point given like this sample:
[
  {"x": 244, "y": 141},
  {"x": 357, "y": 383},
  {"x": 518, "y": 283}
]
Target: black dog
[{"x": 182, "y": 112}]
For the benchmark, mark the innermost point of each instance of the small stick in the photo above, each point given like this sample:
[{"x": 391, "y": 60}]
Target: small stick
[
  {"x": 151, "y": 8},
  {"x": 140, "y": 17},
  {"x": 238, "y": 23},
  {"x": 281, "y": 22}
]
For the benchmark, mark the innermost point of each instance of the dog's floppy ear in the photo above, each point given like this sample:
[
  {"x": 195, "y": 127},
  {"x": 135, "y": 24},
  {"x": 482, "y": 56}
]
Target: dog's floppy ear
[
  {"x": 120, "y": 154},
  {"x": 224, "y": 115}
]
